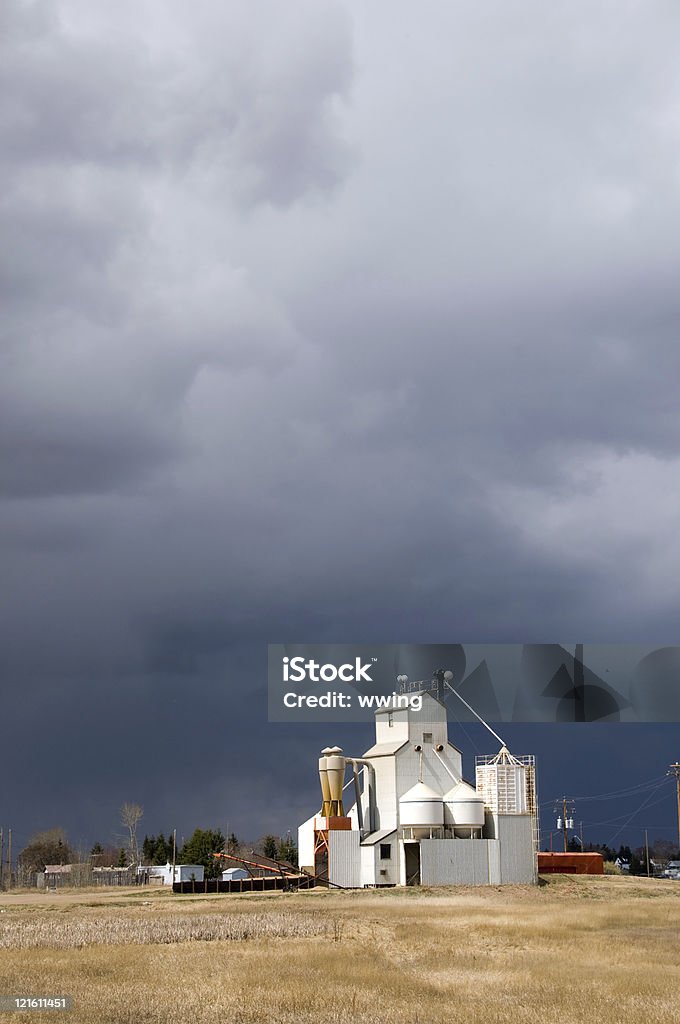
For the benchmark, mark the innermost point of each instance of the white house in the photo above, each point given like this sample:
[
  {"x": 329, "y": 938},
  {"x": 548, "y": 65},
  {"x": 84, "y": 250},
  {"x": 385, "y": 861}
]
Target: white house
[{"x": 672, "y": 869}]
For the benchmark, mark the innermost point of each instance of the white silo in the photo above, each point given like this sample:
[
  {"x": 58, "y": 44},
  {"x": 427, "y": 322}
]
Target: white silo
[
  {"x": 464, "y": 810},
  {"x": 421, "y": 810},
  {"x": 502, "y": 782},
  {"x": 508, "y": 785}
]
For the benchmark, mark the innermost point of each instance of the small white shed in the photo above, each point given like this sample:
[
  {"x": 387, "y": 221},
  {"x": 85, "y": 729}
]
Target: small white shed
[
  {"x": 234, "y": 874},
  {"x": 183, "y": 872}
]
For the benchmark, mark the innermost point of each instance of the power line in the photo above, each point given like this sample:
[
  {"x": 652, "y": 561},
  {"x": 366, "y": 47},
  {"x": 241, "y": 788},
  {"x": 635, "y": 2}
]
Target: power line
[
  {"x": 631, "y": 791},
  {"x": 617, "y": 793},
  {"x": 618, "y": 817},
  {"x": 629, "y": 817},
  {"x": 633, "y": 815}
]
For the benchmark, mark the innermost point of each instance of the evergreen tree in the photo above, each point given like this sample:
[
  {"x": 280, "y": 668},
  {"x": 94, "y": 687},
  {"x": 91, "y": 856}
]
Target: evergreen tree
[
  {"x": 161, "y": 854},
  {"x": 199, "y": 849},
  {"x": 288, "y": 850},
  {"x": 97, "y": 850},
  {"x": 607, "y": 853},
  {"x": 638, "y": 862},
  {"x": 122, "y": 858},
  {"x": 148, "y": 849},
  {"x": 270, "y": 847}
]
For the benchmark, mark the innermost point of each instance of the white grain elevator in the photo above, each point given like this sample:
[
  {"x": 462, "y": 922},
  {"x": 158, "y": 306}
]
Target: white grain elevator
[{"x": 412, "y": 819}]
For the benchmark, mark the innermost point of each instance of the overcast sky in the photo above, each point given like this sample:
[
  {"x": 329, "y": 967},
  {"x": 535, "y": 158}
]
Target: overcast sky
[{"x": 325, "y": 321}]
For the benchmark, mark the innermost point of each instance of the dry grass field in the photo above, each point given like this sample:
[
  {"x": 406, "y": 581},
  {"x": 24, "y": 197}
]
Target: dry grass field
[{"x": 602, "y": 950}]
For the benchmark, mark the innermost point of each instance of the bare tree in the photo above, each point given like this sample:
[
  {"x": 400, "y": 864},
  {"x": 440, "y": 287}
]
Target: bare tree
[{"x": 130, "y": 815}]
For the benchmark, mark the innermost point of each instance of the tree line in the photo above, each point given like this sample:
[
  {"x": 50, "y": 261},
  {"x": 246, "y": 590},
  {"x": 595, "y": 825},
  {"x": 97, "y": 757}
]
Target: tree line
[
  {"x": 204, "y": 843},
  {"x": 53, "y": 847}
]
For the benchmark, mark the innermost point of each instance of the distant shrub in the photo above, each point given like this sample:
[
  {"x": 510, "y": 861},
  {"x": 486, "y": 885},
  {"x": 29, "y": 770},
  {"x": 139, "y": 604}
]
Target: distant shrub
[{"x": 610, "y": 868}]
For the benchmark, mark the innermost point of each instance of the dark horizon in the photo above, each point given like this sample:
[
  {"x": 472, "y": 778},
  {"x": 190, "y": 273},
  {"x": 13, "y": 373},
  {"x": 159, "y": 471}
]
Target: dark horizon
[{"x": 562, "y": 758}]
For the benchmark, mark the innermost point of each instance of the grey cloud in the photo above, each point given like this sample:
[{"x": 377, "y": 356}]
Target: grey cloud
[
  {"x": 117, "y": 287},
  {"x": 51, "y": 464},
  {"x": 259, "y": 108},
  {"x": 357, "y": 324}
]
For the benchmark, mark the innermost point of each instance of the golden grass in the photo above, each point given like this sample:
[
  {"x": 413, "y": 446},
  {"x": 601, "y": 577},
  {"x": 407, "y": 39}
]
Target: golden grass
[
  {"x": 77, "y": 931},
  {"x": 602, "y": 950}
]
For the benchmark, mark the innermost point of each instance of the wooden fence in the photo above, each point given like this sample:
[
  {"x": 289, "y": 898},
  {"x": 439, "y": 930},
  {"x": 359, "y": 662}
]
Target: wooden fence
[{"x": 271, "y": 884}]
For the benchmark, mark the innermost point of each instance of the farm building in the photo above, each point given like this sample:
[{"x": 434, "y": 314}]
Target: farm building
[
  {"x": 234, "y": 874},
  {"x": 570, "y": 863},
  {"x": 414, "y": 819},
  {"x": 66, "y": 875},
  {"x": 163, "y": 873}
]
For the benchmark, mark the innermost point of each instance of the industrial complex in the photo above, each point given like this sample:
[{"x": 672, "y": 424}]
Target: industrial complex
[{"x": 414, "y": 820}]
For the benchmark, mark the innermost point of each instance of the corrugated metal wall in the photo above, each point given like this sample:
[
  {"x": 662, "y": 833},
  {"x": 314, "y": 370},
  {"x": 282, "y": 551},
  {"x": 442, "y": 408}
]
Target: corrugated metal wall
[
  {"x": 494, "y": 862},
  {"x": 518, "y": 861},
  {"x": 344, "y": 861},
  {"x": 386, "y": 792},
  {"x": 454, "y": 862}
]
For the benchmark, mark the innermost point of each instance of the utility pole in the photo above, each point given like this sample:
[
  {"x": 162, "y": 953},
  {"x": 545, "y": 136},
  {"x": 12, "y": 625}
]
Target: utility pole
[
  {"x": 647, "y": 852},
  {"x": 675, "y": 770},
  {"x": 566, "y": 821},
  {"x": 2, "y": 863},
  {"x": 9, "y": 859},
  {"x": 174, "y": 853},
  {"x": 566, "y": 827}
]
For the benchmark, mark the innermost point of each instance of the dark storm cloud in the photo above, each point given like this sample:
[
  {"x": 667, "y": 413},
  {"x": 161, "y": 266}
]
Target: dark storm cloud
[
  {"x": 54, "y": 461},
  {"x": 356, "y": 324}
]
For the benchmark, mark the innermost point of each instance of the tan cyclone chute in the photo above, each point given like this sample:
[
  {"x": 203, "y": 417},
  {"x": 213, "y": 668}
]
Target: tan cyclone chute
[{"x": 332, "y": 776}]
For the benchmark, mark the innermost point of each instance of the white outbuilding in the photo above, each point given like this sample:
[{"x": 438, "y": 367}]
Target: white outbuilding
[
  {"x": 235, "y": 874},
  {"x": 182, "y": 873}
]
